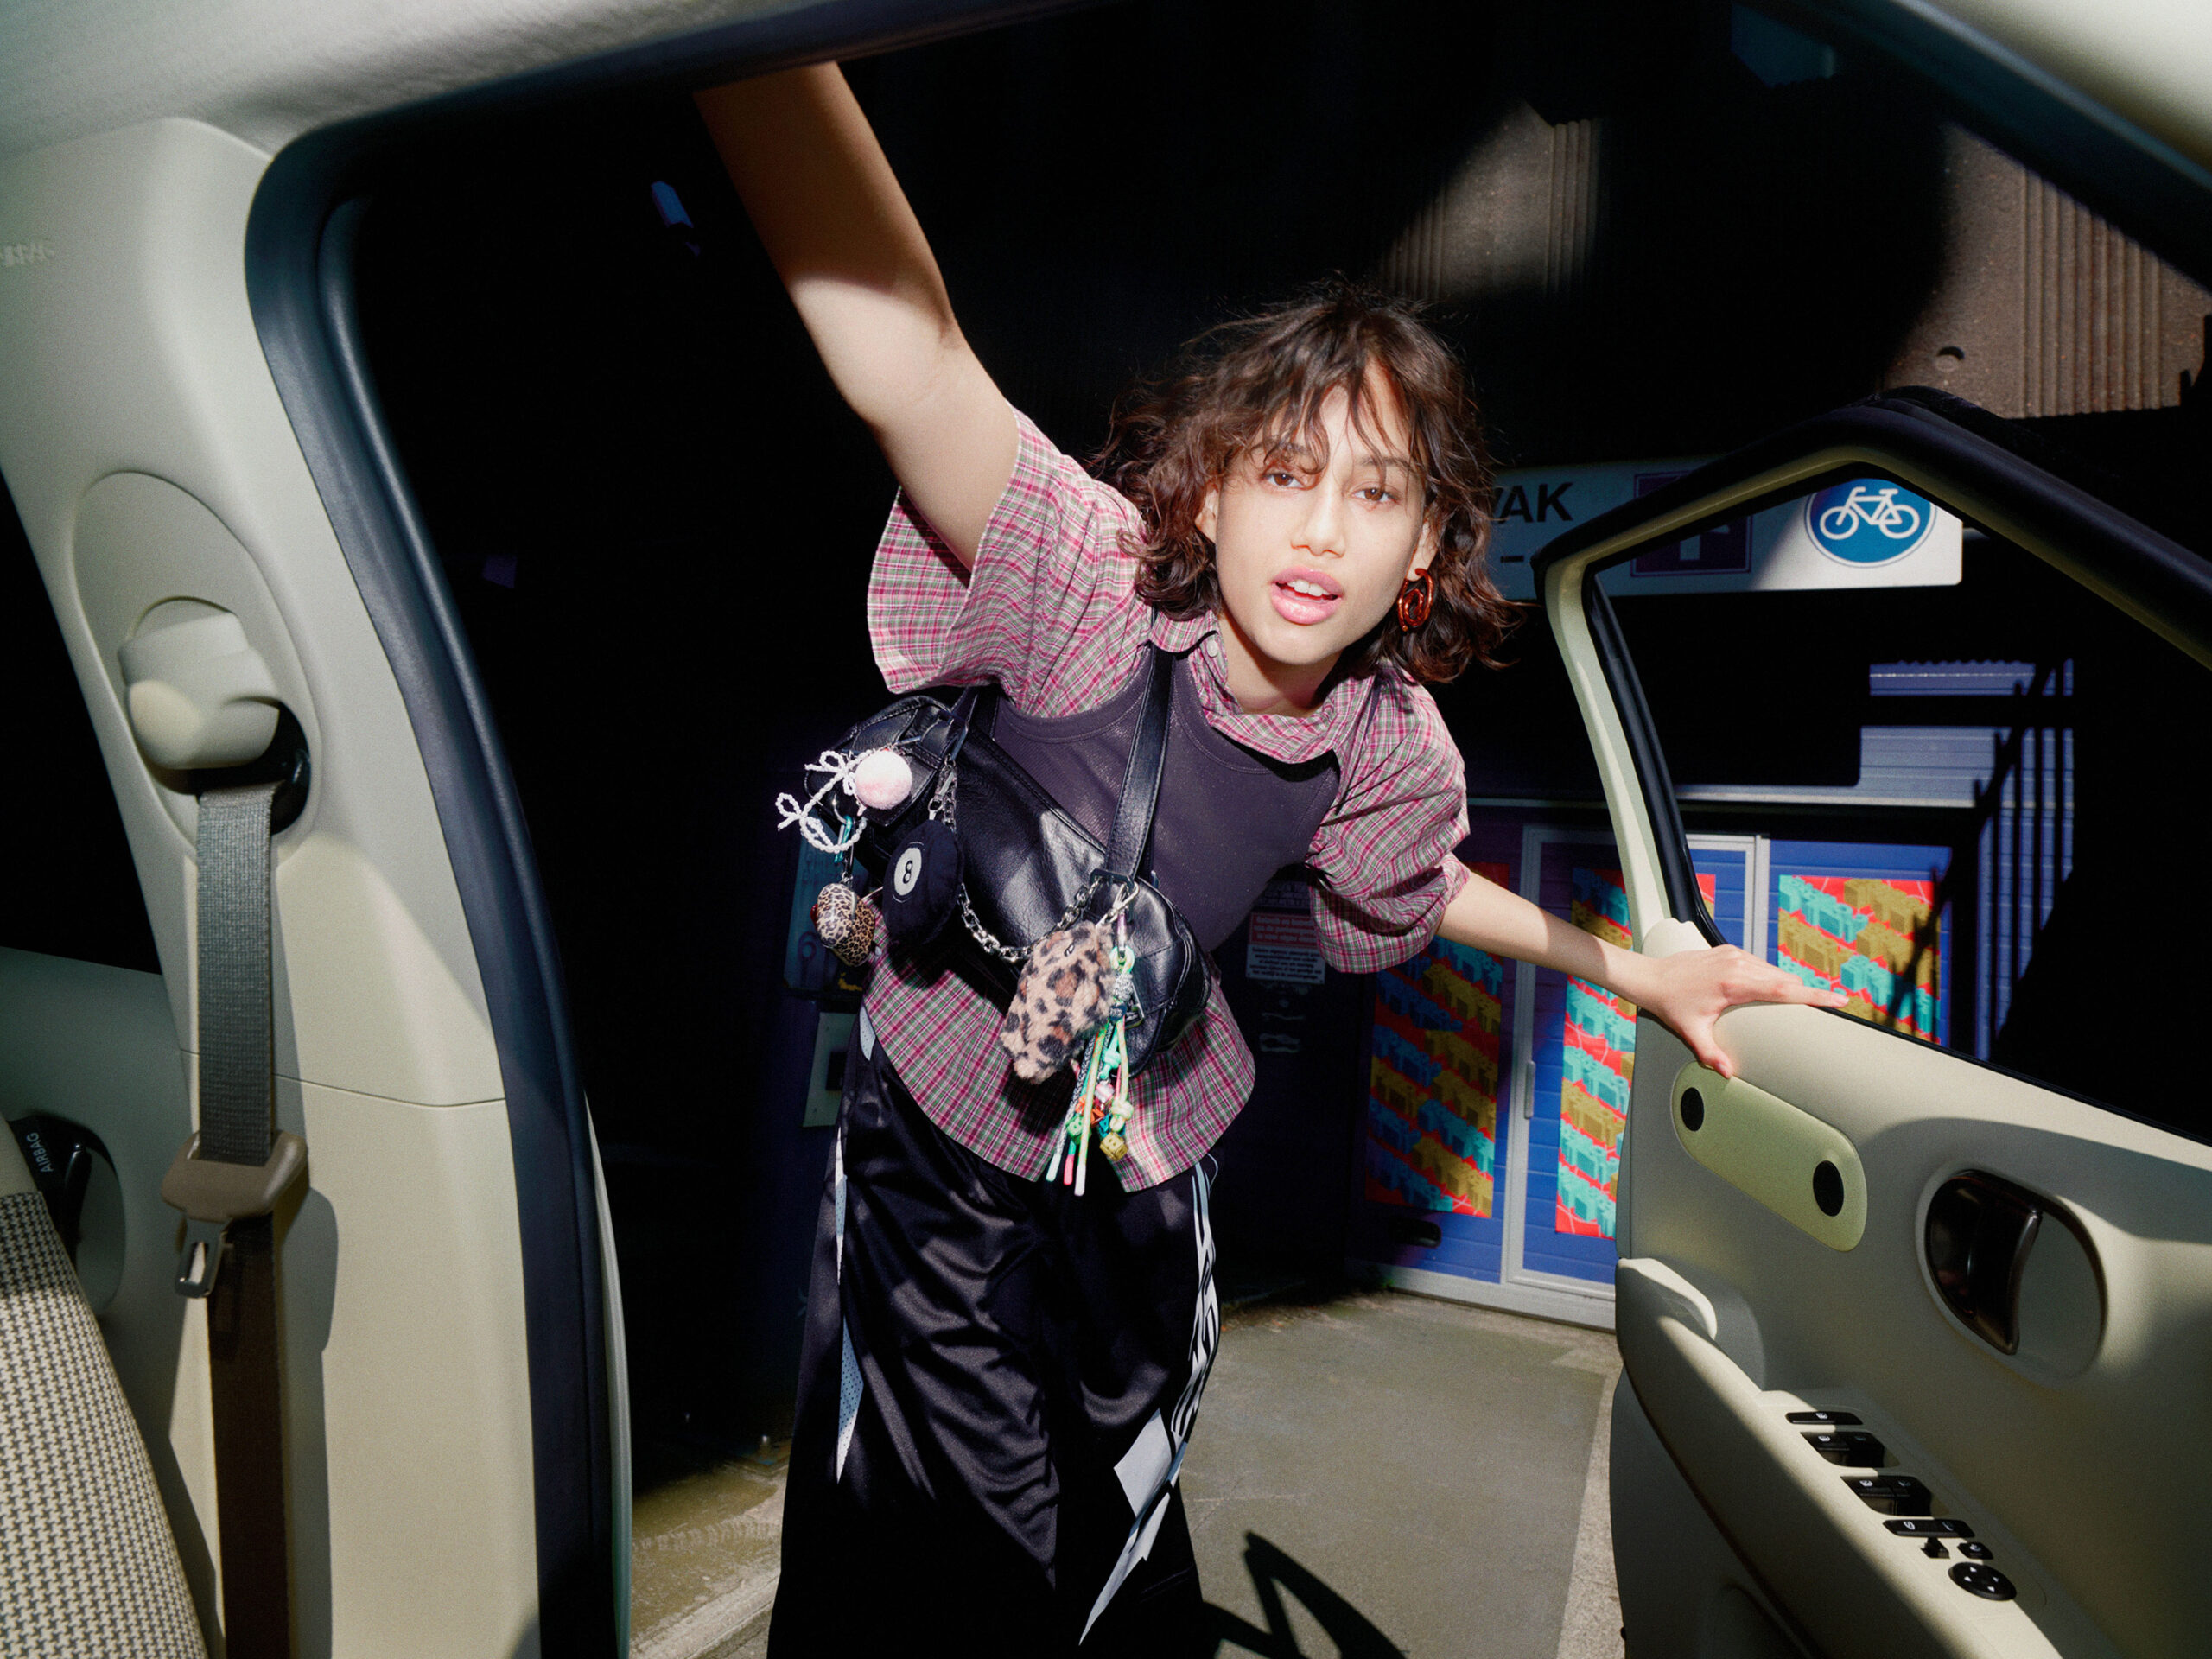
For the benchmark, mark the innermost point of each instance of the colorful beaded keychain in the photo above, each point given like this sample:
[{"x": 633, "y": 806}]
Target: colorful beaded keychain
[{"x": 1102, "y": 1090}]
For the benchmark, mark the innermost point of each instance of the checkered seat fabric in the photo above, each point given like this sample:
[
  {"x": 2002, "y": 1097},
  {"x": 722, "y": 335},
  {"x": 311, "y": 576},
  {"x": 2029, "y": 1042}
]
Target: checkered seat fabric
[{"x": 88, "y": 1568}]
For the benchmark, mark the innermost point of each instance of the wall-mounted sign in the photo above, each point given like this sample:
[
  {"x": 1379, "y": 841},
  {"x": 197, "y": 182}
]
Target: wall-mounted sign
[
  {"x": 825, "y": 1078},
  {"x": 1284, "y": 946},
  {"x": 1869, "y": 532}
]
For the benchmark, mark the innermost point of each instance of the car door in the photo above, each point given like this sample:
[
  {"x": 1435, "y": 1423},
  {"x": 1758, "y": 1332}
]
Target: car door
[{"x": 1916, "y": 1308}]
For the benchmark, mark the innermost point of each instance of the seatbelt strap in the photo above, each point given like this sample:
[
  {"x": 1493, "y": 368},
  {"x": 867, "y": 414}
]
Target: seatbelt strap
[
  {"x": 237, "y": 1059},
  {"x": 229, "y": 1180}
]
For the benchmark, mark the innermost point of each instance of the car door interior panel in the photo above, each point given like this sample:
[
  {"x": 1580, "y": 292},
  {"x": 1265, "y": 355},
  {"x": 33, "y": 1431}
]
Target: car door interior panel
[
  {"x": 1922, "y": 1340},
  {"x": 2003, "y": 1433},
  {"x": 1699, "y": 1596}
]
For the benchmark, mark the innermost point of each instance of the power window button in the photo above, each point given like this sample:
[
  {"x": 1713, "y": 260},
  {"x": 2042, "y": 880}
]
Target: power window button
[
  {"x": 1979, "y": 1551},
  {"x": 1833, "y": 1418},
  {"x": 1852, "y": 1447},
  {"x": 1891, "y": 1494},
  {"x": 1941, "y": 1526}
]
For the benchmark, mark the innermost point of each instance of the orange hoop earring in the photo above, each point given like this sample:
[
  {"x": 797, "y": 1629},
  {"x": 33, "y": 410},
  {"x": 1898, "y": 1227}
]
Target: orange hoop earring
[{"x": 1415, "y": 600}]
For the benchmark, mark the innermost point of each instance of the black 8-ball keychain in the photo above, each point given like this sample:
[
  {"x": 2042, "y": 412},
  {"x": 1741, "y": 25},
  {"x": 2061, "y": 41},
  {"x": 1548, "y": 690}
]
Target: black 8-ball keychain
[{"x": 921, "y": 889}]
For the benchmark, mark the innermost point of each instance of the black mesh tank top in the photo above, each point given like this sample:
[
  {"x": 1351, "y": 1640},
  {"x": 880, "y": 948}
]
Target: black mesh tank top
[{"x": 1228, "y": 818}]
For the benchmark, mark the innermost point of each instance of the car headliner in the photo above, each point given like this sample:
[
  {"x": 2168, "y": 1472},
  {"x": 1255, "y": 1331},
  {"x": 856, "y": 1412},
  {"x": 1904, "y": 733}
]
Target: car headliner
[{"x": 267, "y": 70}]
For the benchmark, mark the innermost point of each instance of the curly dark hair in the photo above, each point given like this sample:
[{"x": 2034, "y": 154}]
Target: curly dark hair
[{"x": 1257, "y": 383}]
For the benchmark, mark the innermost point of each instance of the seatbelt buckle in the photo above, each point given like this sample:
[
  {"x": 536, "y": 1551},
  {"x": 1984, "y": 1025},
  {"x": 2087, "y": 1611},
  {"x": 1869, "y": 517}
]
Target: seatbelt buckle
[{"x": 213, "y": 1195}]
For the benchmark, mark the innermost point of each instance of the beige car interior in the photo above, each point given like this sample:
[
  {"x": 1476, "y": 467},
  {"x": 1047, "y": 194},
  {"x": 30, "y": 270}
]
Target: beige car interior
[
  {"x": 1773, "y": 1275},
  {"x": 204, "y": 594},
  {"x": 162, "y": 490},
  {"x": 191, "y": 566}
]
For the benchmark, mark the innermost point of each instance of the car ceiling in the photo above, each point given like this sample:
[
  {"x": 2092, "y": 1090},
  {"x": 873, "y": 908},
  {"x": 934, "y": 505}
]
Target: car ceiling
[
  {"x": 2147, "y": 62},
  {"x": 267, "y": 70}
]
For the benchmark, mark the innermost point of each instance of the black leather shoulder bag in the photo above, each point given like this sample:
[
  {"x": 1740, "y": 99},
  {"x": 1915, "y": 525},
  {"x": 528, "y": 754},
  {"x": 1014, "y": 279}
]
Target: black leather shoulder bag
[{"x": 1028, "y": 869}]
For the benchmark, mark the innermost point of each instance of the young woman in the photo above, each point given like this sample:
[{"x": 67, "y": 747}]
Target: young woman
[{"x": 1000, "y": 1377}]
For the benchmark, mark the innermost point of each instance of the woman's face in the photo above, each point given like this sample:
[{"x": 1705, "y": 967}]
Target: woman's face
[{"x": 1312, "y": 549}]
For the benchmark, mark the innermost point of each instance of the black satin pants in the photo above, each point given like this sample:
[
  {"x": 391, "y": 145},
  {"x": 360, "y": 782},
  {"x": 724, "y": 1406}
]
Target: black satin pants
[{"x": 997, "y": 1382}]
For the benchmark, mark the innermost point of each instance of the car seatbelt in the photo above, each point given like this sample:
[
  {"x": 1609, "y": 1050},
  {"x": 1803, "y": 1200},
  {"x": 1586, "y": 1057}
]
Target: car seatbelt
[{"x": 230, "y": 1180}]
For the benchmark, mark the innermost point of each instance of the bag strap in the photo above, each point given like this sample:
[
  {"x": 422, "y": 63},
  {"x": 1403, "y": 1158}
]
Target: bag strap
[
  {"x": 1148, "y": 758},
  {"x": 979, "y": 701}
]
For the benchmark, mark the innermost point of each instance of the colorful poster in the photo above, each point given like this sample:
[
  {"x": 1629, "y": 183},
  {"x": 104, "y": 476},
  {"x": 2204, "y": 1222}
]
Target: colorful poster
[
  {"x": 1597, "y": 1064},
  {"x": 1871, "y": 936},
  {"x": 1434, "y": 1068}
]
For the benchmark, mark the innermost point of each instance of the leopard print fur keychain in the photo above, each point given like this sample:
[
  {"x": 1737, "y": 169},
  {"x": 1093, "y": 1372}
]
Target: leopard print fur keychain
[
  {"x": 1060, "y": 999},
  {"x": 846, "y": 923}
]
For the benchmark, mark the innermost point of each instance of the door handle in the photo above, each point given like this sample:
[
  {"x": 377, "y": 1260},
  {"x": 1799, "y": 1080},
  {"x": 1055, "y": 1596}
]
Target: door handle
[{"x": 1979, "y": 1231}]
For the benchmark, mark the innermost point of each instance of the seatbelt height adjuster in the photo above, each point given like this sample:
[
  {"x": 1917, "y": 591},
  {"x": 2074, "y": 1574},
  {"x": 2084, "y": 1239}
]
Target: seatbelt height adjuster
[{"x": 213, "y": 1195}]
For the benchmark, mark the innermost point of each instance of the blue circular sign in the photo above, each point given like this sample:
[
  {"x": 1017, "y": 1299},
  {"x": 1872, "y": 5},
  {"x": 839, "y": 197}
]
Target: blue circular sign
[{"x": 1868, "y": 521}]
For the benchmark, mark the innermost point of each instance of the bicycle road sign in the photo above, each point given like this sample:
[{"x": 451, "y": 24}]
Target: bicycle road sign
[
  {"x": 1868, "y": 521},
  {"x": 1878, "y": 534}
]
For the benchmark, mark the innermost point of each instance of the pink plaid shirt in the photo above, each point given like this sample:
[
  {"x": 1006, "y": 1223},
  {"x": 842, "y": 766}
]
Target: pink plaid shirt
[{"x": 1051, "y": 614}]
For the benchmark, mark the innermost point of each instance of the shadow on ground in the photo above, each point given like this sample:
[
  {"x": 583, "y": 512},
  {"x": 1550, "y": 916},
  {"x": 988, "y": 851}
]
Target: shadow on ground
[
  {"x": 1377, "y": 1473},
  {"x": 1274, "y": 1572},
  {"x": 1374, "y": 1474}
]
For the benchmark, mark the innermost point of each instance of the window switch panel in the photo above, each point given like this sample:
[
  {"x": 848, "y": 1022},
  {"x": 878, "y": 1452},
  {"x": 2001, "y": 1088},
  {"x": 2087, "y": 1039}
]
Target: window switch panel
[
  {"x": 1940, "y": 1526},
  {"x": 1852, "y": 1447}
]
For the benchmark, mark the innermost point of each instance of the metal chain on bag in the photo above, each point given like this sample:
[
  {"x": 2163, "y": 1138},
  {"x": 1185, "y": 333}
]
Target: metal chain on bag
[{"x": 940, "y": 808}]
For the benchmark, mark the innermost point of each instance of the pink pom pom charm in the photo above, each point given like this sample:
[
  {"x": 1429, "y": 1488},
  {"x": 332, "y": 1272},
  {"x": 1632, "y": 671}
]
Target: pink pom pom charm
[{"x": 882, "y": 780}]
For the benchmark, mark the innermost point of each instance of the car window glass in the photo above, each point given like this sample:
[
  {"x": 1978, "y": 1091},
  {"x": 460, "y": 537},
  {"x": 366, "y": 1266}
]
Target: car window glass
[
  {"x": 1976, "y": 804},
  {"x": 73, "y": 889}
]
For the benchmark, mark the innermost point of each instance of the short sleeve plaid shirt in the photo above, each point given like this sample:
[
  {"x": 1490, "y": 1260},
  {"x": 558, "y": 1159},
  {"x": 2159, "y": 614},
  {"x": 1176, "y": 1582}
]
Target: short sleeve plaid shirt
[{"x": 1050, "y": 612}]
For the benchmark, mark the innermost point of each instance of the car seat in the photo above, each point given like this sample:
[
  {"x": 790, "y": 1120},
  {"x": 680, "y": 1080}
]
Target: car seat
[{"x": 87, "y": 1563}]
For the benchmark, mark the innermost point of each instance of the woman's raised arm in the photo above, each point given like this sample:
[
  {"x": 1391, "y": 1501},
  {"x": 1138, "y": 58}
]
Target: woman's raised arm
[{"x": 847, "y": 245}]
